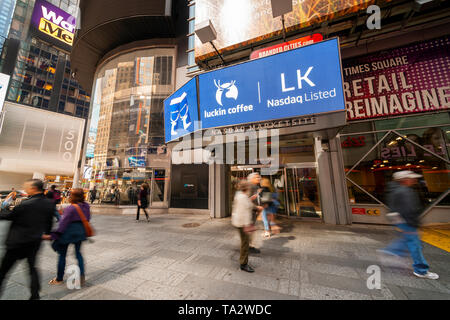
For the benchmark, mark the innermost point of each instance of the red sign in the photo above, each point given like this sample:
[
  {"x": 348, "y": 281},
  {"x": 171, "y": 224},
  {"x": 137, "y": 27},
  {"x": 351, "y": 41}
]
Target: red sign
[
  {"x": 354, "y": 142},
  {"x": 358, "y": 211},
  {"x": 286, "y": 46}
]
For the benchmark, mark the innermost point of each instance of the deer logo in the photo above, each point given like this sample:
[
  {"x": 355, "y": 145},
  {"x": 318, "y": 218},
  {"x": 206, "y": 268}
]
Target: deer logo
[{"x": 230, "y": 89}]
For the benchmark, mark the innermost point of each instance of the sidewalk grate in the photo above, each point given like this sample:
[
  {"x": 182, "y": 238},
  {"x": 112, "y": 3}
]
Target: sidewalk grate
[{"x": 191, "y": 225}]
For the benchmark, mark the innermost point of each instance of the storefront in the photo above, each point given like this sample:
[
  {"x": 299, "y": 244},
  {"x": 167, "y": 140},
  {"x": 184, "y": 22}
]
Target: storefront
[
  {"x": 295, "y": 182},
  {"x": 285, "y": 132},
  {"x": 397, "y": 107}
]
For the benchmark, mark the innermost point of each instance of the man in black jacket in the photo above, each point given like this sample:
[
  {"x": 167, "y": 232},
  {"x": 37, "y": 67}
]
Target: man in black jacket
[
  {"x": 30, "y": 220},
  {"x": 403, "y": 200}
]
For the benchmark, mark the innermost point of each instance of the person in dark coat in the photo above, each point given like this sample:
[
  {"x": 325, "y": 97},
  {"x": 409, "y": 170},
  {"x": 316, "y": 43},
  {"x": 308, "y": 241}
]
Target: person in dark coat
[
  {"x": 143, "y": 201},
  {"x": 32, "y": 218},
  {"x": 93, "y": 194},
  {"x": 405, "y": 206},
  {"x": 70, "y": 231}
]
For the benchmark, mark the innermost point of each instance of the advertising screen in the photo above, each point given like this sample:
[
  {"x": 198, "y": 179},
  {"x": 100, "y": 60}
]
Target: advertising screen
[
  {"x": 137, "y": 161},
  {"x": 181, "y": 111},
  {"x": 405, "y": 80},
  {"x": 302, "y": 81},
  {"x": 4, "y": 81},
  {"x": 95, "y": 115},
  {"x": 241, "y": 23},
  {"x": 53, "y": 24}
]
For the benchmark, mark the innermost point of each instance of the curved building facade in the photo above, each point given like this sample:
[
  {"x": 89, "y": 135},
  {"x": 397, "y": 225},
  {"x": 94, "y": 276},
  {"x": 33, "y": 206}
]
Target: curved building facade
[
  {"x": 126, "y": 131},
  {"x": 128, "y": 54}
]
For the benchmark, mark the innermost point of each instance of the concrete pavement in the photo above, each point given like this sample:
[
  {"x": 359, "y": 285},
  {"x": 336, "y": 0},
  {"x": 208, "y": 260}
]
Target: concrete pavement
[{"x": 193, "y": 257}]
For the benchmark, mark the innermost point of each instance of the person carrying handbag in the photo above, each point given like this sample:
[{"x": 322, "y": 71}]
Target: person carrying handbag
[{"x": 74, "y": 228}]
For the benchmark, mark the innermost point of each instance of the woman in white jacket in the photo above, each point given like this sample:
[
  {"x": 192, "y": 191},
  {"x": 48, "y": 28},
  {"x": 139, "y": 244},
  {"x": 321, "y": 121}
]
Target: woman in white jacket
[{"x": 242, "y": 219}]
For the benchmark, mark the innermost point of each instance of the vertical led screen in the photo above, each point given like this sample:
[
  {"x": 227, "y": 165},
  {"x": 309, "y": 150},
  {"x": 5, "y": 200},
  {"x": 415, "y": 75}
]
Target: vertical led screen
[{"x": 181, "y": 111}]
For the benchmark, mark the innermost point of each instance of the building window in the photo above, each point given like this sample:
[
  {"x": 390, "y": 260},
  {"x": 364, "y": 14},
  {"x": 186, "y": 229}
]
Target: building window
[{"x": 418, "y": 143}]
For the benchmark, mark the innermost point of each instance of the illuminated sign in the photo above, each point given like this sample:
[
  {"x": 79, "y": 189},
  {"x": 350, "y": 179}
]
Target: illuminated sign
[
  {"x": 180, "y": 111},
  {"x": 398, "y": 81},
  {"x": 54, "y": 22},
  {"x": 286, "y": 46},
  {"x": 137, "y": 161},
  {"x": 298, "y": 82},
  {"x": 4, "y": 81}
]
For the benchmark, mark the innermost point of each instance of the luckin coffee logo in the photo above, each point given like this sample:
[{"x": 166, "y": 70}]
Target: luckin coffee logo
[
  {"x": 179, "y": 114},
  {"x": 230, "y": 89}
]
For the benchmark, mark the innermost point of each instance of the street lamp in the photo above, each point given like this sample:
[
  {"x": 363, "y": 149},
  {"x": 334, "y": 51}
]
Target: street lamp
[
  {"x": 206, "y": 33},
  {"x": 280, "y": 8}
]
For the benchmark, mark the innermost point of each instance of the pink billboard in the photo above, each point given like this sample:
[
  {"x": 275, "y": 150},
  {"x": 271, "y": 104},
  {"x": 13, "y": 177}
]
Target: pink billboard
[{"x": 410, "y": 79}]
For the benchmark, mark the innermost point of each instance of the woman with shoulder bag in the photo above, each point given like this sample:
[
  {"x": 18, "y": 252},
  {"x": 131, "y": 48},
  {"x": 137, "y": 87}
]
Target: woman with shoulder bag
[{"x": 73, "y": 228}]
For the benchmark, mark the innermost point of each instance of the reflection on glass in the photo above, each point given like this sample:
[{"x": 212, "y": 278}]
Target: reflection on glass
[
  {"x": 422, "y": 151},
  {"x": 129, "y": 91},
  {"x": 303, "y": 195}
]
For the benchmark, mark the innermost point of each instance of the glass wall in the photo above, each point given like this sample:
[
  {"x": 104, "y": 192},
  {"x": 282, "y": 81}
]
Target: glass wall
[
  {"x": 374, "y": 150},
  {"x": 126, "y": 133},
  {"x": 33, "y": 81}
]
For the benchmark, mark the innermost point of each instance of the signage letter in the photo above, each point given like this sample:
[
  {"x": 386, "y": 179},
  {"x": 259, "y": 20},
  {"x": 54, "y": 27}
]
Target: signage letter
[
  {"x": 283, "y": 85},
  {"x": 304, "y": 77}
]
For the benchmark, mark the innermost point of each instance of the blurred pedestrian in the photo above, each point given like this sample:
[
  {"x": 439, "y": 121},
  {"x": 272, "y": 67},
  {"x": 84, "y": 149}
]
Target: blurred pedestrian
[
  {"x": 55, "y": 195},
  {"x": 93, "y": 194},
  {"x": 405, "y": 206},
  {"x": 242, "y": 219},
  {"x": 30, "y": 220},
  {"x": 143, "y": 201},
  {"x": 117, "y": 196},
  {"x": 270, "y": 206},
  {"x": 9, "y": 200},
  {"x": 71, "y": 231},
  {"x": 254, "y": 179}
]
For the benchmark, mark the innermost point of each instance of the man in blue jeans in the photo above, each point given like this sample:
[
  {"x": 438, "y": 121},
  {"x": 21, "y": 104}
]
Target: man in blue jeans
[{"x": 403, "y": 199}]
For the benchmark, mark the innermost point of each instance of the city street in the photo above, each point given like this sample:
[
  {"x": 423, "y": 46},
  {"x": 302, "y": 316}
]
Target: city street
[{"x": 193, "y": 257}]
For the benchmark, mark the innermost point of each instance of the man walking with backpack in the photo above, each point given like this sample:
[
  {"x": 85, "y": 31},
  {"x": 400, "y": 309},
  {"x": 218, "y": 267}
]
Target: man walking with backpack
[{"x": 32, "y": 218}]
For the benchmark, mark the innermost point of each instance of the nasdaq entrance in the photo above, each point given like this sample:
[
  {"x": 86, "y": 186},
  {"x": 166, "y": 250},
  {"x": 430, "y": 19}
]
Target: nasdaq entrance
[{"x": 294, "y": 183}]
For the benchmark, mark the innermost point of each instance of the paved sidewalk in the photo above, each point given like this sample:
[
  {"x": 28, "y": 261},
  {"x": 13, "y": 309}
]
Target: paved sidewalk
[{"x": 165, "y": 260}]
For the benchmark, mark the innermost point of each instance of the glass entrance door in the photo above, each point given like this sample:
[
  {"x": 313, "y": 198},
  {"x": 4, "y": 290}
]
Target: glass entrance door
[
  {"x": 303, "y": 197},
  {"x": 158, "y": 189}
]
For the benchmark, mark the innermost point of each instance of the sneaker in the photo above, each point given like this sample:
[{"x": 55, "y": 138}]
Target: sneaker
[
  {"x": 247, "y": 268},
  {"x": 428, "y": 275},
  {"x": 254, "y": 250},
  {"x": 266, "y": 234}
]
